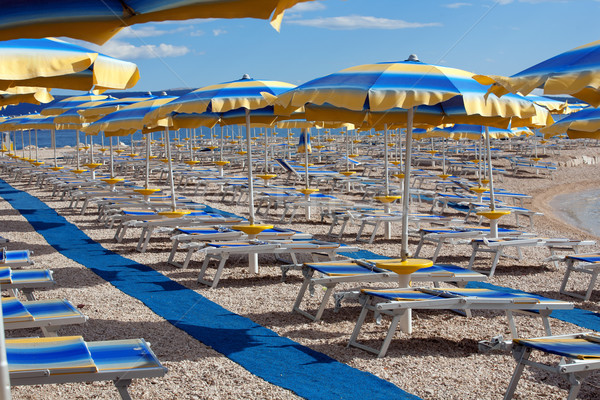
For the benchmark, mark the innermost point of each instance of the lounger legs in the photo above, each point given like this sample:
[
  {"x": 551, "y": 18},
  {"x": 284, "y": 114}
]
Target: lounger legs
[
  {"x": 122, "y": 385},
  {"x": 571, "y": 268},
  {"x": 522, "y": 355}
]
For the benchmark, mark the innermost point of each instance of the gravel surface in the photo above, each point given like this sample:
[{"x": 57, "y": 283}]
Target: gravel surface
[{"x": 439, "y": 360}]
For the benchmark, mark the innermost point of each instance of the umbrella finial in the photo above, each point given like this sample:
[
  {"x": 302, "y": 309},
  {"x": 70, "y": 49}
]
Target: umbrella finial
[
  {"x": 413, "y": 57},
  {"x": 246, "y": 76}
]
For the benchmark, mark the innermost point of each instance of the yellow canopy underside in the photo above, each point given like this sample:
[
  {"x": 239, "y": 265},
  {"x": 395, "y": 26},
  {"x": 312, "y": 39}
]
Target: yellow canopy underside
[{"x": 101, "y": 31}]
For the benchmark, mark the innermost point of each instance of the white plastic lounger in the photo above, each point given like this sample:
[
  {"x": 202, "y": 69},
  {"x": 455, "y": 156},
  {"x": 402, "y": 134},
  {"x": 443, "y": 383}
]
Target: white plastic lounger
[
  {"x": 398, "y": 302},
  {"x": 40, "y": 361},
  {"x": 330, "y": 273},
  {"x": 577, "y": 356}
]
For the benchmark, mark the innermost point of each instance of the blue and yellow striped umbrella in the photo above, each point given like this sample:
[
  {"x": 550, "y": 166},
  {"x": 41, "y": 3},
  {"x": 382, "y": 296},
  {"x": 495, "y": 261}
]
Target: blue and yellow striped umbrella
[
  {"x": 129, "y": 119},
  {"x": 97, "y": 21},
  {"x": 584, "y": 124},
  {"x": 245, "y": 93},
  {"x": 395, "y": 92},
  {"x": 52, "y": 63},
  {"x": 235, "y": 101},
  {"x": 405, "y": 85},
  {"x": 575, "y": 72},
  {"x": 18, "y": 95},
  {"x": 70, "y": 103}
]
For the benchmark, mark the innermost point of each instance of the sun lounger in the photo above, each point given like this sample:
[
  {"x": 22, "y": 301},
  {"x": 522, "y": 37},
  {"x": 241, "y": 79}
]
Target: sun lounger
[
  {"x": 497, "y": 247},
  {"x": 578, "y": 357},
  {"x": 582, "y": 263},
  {"x": 25, "y": 280},
  {"x": 331, "y": 273},
  {"x": 48, "y": 315},
  {"x": 39, "y": 361},
  {"x": 194, "y": 238},
  {"x": 15, "y": 258},
  {"x": 397, "y": 302},
  {"x": 458, "y": 235},
  {"x": 170, "y": 224},
  {"x": 221, "y": 251}
]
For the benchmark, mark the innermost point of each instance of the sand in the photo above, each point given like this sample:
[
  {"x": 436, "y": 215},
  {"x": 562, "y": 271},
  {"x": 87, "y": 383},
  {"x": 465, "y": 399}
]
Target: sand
[{"x": 439, "y": 360}]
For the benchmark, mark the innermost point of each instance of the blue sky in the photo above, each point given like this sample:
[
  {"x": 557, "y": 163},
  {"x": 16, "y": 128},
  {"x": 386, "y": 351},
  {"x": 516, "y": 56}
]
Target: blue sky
[{"x": 318, "y": 38}]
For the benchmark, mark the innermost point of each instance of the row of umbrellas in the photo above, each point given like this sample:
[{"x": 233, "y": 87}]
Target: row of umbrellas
[{"x": 381, "y": 96}]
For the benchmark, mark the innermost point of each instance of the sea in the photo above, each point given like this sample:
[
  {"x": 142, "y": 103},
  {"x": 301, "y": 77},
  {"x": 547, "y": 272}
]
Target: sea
[{"x": 580, "y": 209}]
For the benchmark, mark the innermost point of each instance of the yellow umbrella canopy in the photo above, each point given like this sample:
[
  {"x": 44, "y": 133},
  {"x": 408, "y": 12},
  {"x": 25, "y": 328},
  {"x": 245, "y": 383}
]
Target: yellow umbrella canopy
[
  {"x": 19, "y": 95},
  {"x": 52, "y": 63},
  {"x": 97, "y": 21}
]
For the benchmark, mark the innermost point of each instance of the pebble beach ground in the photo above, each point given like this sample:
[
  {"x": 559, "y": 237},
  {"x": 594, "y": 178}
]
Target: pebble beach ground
[{"x": 440, "y": 360}]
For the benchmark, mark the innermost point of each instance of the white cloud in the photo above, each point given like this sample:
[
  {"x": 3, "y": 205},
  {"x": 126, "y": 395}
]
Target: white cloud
[
  {"x": 457, "y": 5},
  {"x": 304, "y": 7},
  {"x": 197, "y": 33},
  {"x": 360, "y": 22},
  {"x": 218, "y": 32},
  {"x": 142, "y": 31},
  {"x": 128, "y": 51}
]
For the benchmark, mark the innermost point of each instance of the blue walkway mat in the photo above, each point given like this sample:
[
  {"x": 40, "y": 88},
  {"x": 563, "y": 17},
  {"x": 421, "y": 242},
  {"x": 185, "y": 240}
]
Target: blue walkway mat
[{"x": 261, "y": 351}]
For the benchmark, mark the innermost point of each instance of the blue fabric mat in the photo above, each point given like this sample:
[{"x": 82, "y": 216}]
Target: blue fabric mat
[{"x": 276, "y": 359}]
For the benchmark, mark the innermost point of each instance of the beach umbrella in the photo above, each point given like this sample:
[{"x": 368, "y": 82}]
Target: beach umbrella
[
  {"x": 239, "y": 97},
  {"x": 584, "y": 124},
  {"x": 97, "y": 21},
  {"x": 575, "y": 72},
  {"x": 395, "y": 92},
  {"x": 52, "y": 63},
  {"x": 18, "y": 95},
  {"x": 130, "y": 119}
]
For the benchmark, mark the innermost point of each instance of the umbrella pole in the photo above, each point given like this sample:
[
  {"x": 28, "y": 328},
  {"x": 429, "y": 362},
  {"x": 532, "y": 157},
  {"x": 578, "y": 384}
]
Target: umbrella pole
[
  {"x": 22, "y": 144},
  {"x": 53, "y": 139},
  {"x": 493, "y": 222},
  {"x": 30, "y": 150},
  {"x": 36, "y": 146},
  {"x": 306, "y": 183},
  {"x": 147, "y": 179},
  {"x": 170, "y": 166},
  {"x": 386, "y": 168},
  {"x": 266, "y": 133},
  {"x": 406, "y": 196},
  {"x": 112, "y": 159},
  {"x": 250, "y": 183},
  {"x": 77, "y": 146}
]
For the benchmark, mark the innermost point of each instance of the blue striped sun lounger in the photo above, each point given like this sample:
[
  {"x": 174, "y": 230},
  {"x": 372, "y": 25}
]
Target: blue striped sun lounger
[
  {"x": 579, "y": 357},
  {"x": 221, "y": 251},
  {"x": 38, "y": 361},
  {"x": 25, "y": 280},
  {"x": 581, "y": 263},
  {"x": 329, "y": 274},
  {"x": 398, "y": 304},
  {"x": 48, "y": 315},
  {"x": 194, "y": 239},
  {"x": 15, "y": 258}
]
